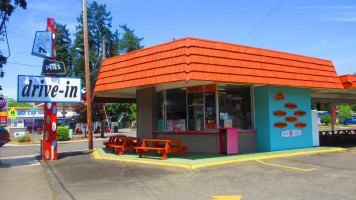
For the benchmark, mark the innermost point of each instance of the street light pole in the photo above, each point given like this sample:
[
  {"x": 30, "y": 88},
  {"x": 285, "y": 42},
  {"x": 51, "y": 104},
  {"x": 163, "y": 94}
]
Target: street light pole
[{"x": 87, "y": 75}]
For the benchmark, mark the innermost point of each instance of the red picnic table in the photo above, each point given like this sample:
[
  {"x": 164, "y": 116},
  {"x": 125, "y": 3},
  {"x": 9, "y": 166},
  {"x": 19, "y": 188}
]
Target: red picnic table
[
  {"x": 165, "y": 148},
  {"x": 125, "y": 143}
]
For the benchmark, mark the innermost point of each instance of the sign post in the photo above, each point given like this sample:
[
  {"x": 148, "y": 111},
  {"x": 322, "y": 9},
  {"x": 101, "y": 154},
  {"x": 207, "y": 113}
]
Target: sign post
[{"x": 50, "y": 125}]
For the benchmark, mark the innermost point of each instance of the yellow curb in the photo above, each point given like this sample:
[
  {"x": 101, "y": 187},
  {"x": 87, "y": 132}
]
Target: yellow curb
[
  {"x": 98, "y": 156},
  {"x": 195, "y": 166}
]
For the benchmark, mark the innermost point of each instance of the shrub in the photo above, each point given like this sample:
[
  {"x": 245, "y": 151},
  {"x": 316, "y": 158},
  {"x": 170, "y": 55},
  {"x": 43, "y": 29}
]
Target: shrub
[
  {"x": 25, "y": 138},
  {"x": 62, "y": 133},
  {"x": 326, "y": 119}
]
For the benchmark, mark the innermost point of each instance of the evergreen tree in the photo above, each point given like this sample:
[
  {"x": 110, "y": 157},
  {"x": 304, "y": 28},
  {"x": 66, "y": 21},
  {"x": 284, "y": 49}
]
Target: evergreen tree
[
  {"x": 99, "y": 27},
  {"x": 129, "y": 42},
  {"x": 64, "y": 51}
]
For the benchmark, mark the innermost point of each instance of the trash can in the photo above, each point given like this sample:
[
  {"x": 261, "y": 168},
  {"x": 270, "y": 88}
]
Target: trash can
[
  {"x": 228, "y": 140},
  {"x": 70, "y": 133}
]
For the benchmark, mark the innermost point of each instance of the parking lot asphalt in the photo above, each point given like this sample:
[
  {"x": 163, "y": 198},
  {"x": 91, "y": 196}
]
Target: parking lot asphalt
[{"x": 78, "y": 175}]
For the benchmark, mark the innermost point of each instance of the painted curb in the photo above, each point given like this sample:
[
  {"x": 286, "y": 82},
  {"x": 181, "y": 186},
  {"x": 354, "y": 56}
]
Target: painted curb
[{"x": 97, "y": 155}]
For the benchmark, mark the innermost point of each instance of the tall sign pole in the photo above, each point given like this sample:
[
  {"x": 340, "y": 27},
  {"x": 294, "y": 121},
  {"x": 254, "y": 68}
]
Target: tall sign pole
[
  {"x": 50, "y": 120},
  {"x": 87, "y": 75}
]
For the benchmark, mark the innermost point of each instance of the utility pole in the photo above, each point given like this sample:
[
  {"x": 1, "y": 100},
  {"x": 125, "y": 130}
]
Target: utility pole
[
  {"x": 87, "y": 75},
  {"x": 103, "y": 122}
]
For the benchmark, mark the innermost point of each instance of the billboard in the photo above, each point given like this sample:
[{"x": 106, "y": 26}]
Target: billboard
[{"x": 49, "y": 89}]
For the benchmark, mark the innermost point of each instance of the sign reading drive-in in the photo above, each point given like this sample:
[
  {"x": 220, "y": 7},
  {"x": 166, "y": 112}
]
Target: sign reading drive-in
[
  {"x": 53, "y": 67},
  {"x": 49, "y": 89}
]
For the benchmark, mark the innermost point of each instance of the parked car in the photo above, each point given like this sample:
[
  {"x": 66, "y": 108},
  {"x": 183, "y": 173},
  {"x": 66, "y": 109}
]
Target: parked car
[
  {"x": 4, "y": 137},
  {"x": 350, "y": 120},
  {"x": 29, "y": 127}
]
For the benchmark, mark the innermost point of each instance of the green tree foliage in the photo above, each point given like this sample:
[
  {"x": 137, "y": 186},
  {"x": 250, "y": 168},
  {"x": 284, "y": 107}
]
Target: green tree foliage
[
  {"x": 129, "y": 41},
  {"x": 64, "y": 52},
  {"x": 326, "y": 119},
  {"x": 345, "y": 112},
  {"x": 13, "y": 103},
  {"x": 117, "y": 109},
  {"x": 99, "y": 28},
  {"x": 7, "y": 7}
]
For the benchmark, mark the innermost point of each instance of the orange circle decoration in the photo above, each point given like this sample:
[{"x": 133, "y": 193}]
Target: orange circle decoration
[
  {"x": 300, "y": 125},
  {"x": 300, "y": 113},
  {"x": 290, "y": 106},
  {"x": 279, "y": 113},
  {"x": 291, "y": 119},
  {"x": 280, "y": 125}
]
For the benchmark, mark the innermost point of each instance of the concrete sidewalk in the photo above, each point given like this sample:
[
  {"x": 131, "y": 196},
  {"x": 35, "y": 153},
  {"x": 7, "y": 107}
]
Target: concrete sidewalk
[{"x": 24, "y": 178}]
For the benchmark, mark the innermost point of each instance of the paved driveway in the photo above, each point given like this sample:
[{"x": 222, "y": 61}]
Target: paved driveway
[{"x": 80, "y": 176}]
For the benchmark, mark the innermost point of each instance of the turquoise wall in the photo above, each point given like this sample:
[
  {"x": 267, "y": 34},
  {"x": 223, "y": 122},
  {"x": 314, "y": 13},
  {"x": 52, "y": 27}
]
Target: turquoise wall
[{"x": 269, "y": 137}]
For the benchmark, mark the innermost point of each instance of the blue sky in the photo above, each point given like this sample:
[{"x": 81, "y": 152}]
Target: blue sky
[{"x": 317, "y": 28}]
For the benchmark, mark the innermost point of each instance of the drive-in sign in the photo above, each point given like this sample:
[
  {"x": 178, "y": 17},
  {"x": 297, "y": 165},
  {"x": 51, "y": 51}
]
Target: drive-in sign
[{"x": 49, "y": 89}]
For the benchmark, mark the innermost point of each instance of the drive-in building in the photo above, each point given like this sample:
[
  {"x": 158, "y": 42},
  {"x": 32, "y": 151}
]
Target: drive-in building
[{"x": 190, "y": 88}]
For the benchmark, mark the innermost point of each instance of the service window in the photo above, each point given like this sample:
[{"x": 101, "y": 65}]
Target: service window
[{"x": 176, "y": 109}]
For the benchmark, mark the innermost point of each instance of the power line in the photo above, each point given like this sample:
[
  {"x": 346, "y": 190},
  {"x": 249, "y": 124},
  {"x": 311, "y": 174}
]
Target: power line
[
  {"x": 24, "y": 64},
  {"x": 259, "y": 24}
]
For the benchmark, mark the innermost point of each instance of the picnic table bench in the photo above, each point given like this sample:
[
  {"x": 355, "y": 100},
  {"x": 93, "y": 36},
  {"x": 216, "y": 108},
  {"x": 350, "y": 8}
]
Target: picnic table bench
[
  {"x": 125, "y": 143},
  {"x": 164, "y": 149}
]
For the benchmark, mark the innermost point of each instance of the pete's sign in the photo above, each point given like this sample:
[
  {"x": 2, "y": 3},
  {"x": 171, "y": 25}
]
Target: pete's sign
[
  {"x": 53, "y": 67},
  {"x": 49, "y": 89}
]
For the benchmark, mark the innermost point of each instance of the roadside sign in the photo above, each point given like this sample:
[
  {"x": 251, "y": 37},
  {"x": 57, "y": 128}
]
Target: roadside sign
[
  {"x": 43, "y": 44},
  {"x": 53, "y": 67},
  {"x": 12, "y": 113},
  {"x": 2, "y": 103},
  {"x": 49, "y": 89},
  {"x": 3, "y": 119}
]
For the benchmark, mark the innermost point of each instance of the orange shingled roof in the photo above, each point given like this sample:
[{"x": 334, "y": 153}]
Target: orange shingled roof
[
  {"x": 204, "y": 60},
  {"x": 348, "y": 81}
]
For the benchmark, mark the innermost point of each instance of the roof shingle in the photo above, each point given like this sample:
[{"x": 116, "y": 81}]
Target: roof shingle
[{"x": 197, "y": 59}]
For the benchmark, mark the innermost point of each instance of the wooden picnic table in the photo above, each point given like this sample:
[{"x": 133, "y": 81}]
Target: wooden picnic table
[
  {"x": 164, "y": 149},
  {"x": 125, "y": 143},
  {"x": 337, "y": 133},
  {"x": 111, "y": 140}
]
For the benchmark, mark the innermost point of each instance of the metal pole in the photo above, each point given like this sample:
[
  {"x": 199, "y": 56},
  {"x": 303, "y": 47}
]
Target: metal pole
[
  {"x": 87, "y": 75},
  {"x": 332, "y": 118}
]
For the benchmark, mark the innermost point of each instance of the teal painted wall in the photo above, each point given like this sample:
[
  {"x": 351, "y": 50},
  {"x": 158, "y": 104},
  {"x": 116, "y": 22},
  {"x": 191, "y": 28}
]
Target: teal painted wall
[
  {"x": 269, "y": 137},
  {"x": 262, "y": 118}
]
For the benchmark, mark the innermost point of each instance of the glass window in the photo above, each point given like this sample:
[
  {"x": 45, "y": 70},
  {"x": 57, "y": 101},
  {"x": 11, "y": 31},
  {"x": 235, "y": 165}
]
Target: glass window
[
  {"x": 160, "y": 111},
  {"x": 235, "y": 106},
  {"x": 210, "y": 111},
  {"x": 176, "y": 109}
]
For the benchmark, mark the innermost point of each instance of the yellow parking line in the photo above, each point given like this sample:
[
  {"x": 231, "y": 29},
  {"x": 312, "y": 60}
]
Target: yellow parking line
[{"x": 304, "y": 170}]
